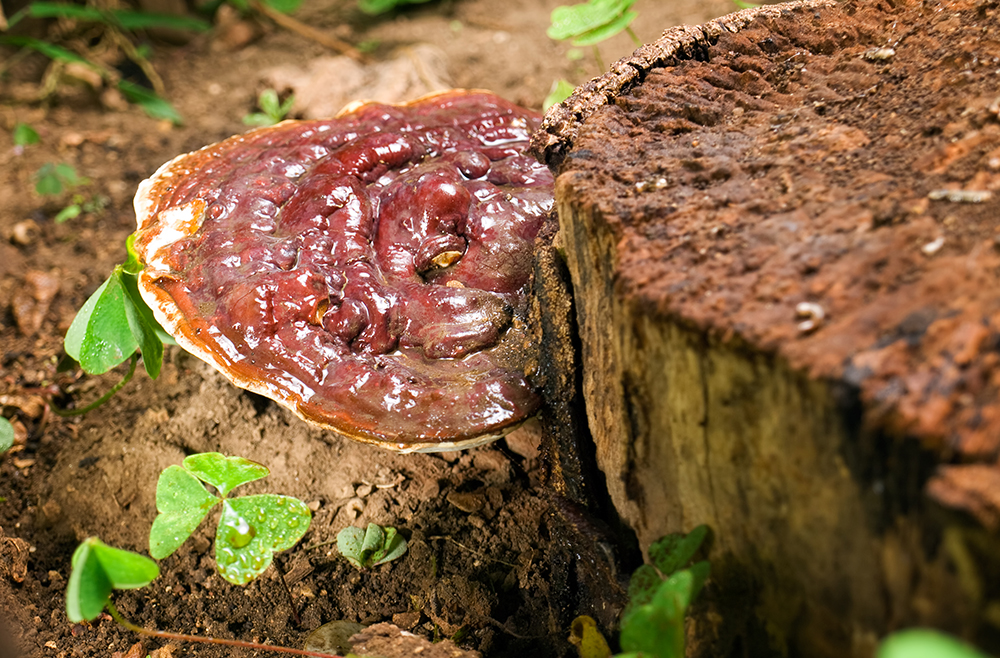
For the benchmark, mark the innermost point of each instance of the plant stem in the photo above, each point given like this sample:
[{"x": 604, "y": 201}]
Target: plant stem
[
  {"x": 632, "y": 34},
  {"x": 597, "y": 58},
  {"x": 210, "y": 640},
  {"x": 66, "y": 413},
  {"x": 288, "y": 591},
  {"x": 307, "y": 31}
]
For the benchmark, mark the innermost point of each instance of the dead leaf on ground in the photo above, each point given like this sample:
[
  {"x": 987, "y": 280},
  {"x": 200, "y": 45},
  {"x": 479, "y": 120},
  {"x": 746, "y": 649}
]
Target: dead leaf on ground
[{"x": 13, "y": 557}]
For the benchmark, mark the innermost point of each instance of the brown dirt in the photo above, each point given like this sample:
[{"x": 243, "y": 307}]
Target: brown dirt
[
  {"x": 809, "y": 158},
  {"x": 482, "y": 558}
]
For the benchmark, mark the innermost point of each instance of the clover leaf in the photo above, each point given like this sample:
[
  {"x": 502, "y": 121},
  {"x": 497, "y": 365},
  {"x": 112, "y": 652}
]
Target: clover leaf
[
  {"x": 591, "y": 22},
  {"x": 96, "y": 570},
  {"x": 250, "y": 529},
  {"x": 112, "y": 324}
]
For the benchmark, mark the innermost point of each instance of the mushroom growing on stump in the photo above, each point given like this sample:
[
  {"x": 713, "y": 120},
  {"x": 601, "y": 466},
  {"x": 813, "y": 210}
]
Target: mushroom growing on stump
[{"x": 370, "y": 272}]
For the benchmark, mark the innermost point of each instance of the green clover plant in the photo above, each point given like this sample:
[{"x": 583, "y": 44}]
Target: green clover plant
[
  {"x": 591, "y": 22},
  {"x": 371, "y": 547},
  {"x": 24, "y": 135},
  {"x": 112, "y": 325},
  {"x": 587, "y": 24},
  {"x": 97, "y": 569},
  {"x": 251, "y": 528},
  {"x": 272, "y": 109},
  {"x": 52, "y": 178},
  {"x": 660, "y": 593}
]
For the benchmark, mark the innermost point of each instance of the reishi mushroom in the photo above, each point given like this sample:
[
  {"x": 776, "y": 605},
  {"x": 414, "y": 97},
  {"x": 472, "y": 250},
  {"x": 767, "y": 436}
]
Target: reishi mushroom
[{"x": 370, "y": 272}]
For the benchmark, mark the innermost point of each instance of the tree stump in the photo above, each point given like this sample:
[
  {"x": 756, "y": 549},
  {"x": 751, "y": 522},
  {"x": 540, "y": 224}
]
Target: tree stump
[{"x": 783, "y": 234}]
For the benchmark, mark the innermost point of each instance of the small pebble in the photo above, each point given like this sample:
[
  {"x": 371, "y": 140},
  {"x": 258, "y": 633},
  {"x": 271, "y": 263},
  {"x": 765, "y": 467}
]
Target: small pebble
[
  {"x": 24, "y": 233},
  {"x": 932, "y": 248},
  {"x": 814, "y": 315}
]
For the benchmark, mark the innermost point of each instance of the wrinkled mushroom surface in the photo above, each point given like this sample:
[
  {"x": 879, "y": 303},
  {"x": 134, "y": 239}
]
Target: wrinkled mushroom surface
[{"x": 370, "y": 272}]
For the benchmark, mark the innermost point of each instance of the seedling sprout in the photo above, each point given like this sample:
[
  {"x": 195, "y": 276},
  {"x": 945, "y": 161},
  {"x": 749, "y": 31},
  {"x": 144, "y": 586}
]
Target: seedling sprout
[
  {"x": 272, "y": 111},
  {"x": 371, "y": 547},
  {"x": 659, "y": 595}
]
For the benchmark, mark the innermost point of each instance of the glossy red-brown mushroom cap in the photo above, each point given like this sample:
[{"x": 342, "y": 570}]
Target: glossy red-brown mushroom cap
[{"x": 370, "y": 272}]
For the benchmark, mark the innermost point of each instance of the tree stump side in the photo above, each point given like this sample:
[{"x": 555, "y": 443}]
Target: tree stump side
[{"x": 770, "y": 169}]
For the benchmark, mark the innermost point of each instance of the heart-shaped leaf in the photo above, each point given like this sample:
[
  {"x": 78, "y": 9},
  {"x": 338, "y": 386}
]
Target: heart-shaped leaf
[
  {"x": 100, "y": 337},
  {"x": 349, "y": 542},
  {"x": 143, "y": 325},
  {"x": 571, "y": 21},
  {"x": 393, "y": 546},
  {"x": 675, "y": 551},
  {"x": 97, "y": 569},
  {"x": 6, "y": 435},
  {"x": 183, "y": 503},
  {"x": 252, "y": 529},
  {"x": 657, "y": 628},
  {"x": 222, "y": 472}
]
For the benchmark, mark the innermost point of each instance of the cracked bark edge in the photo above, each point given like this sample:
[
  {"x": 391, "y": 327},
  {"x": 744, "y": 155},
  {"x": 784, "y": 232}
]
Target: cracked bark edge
[{"x": 553, "y": 139}]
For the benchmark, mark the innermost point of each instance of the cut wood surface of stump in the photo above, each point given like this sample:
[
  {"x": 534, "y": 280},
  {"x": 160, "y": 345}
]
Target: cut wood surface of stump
[{"x": 783, "y": 232}]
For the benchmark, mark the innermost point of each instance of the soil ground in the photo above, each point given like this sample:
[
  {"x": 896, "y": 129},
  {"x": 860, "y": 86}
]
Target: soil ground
[{"x": 481, "y": 560}]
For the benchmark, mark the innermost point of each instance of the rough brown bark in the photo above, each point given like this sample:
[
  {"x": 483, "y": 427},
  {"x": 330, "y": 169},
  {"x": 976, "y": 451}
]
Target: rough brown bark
[{"x": 810, "y": 161}]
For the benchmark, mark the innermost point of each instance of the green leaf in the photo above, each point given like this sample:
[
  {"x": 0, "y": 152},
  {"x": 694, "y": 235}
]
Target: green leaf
[
  {"x": 675, "y": 551},
  {"x": 643, "y": 585},
  {"x": 577, "y": 20},
  {"x": 47, "y": 182},
  {"x": 284, "y": 6},
  {"x": 657, "y": 628},
  {"x": 67, "y": 174},
  {"x": 561, "y": 90},
  {"x": 133, "y": 264},
  {"x": 222, "y": 472},
  {"x": 69, "y": 212},
  {"x": 252, "y": 529},
  {"x": 100, "y": 337},
  {"x": 89, "y": 587},
  {"x": 925, "y": 643},
  {"x": 51, "y": 51},
  {"x": 126, "y": 19},
  {"x": 370, "y": 547},
  {"x": 268, "y": 101},
  {"x": 126, "y": 570},
  {"x": 144, "y": 327},
  {"x": 257, "y": 119},
  {"x": 349, "y": 541},
  {"x": 24, "y": 135},
  {"x": 375, "y": 7},
  {"x": 374, "y": 540},
  {"x": 393, "y": 547},
  {"x": 151, "y": 104},
  {"x": 6, "y": 435},
  {"x": 182, "y": 503},
  {"x": 97, "y": 569},
  {"x": 607, "y": 31}
]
